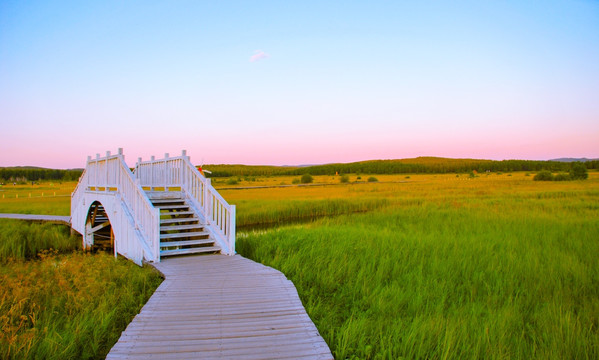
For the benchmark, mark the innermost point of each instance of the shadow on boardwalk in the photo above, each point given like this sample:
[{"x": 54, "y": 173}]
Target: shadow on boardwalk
[{"x": 221, "y": 307}]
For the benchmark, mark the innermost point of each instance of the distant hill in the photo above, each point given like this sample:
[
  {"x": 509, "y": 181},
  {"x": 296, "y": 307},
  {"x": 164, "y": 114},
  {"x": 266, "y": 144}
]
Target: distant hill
[
  {"x": 423, "y": 164},
  {"x": 573, "y": 160}
]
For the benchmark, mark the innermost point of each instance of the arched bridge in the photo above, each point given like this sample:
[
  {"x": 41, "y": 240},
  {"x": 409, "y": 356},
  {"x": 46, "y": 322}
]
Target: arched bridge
[
  {"x": 208, "y": 307},
  {"x": 163, "y": 207}
]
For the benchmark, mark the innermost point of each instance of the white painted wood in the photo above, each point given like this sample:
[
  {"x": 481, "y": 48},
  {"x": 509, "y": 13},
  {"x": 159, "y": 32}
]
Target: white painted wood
[
  {"x": 134, "y": 219},
  {"x": 135, "y": 222},
  {"x": 178, "y": 172},
  {"x": 66, "y": 220}
]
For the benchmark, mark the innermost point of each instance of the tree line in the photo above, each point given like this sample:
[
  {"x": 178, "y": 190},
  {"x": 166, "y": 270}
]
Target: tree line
[
  {"x": 422, "y": 165},
  {"x": 20, "y": 175},
  {"x": 465, "y": 166}
]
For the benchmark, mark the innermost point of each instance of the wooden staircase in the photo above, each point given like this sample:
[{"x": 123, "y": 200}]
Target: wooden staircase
[
  {"x": 181, "y": 232},
  {"x": 103, "y": 236}
]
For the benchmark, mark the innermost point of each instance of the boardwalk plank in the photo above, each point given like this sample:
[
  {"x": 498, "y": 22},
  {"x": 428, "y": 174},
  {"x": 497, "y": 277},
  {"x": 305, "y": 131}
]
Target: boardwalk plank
[
  {"x": 221, "y": 307},
  {"x": 66, "y": 220}
]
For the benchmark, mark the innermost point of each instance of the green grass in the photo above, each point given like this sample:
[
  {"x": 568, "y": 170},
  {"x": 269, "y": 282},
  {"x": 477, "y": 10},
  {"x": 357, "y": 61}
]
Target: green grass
[
  {"x": 425, "y": 266},
  {"x": 280, "y": 212},
  {"x": 24, "y": 240},
  {"x": 47, "y": 198},
  {"x": 477, "y": 269},
  {"x": 59, "y": 303}
]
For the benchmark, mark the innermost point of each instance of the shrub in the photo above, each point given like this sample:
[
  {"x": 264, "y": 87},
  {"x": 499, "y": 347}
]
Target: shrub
[
  {"x": 562, "y": 177},
  {"x": 579, "y": 171},
  {"x": 232, "y": 181},
  {"x": 295, "y": 181},
  {"x": 344, "y": 179},
  {"x": 372, "y": 179},
  {"x": 306, "y": 179},
  {"x": 543, "y": 176}
]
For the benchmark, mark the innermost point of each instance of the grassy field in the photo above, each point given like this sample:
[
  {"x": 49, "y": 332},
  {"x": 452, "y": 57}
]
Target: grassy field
[
  {"x": 60, "y": 303},
  {"x": 47, "y": 198},
  {"x": 445, "y": 266},
  {"x": 452, "y": 267}
]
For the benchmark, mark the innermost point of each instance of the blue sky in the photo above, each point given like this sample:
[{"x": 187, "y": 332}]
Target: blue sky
[{"x": 332, "y": 82}]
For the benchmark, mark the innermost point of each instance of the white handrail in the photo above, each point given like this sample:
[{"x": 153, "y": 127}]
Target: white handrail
[
  {"x": 77, "y": 194},
  {"x": 110, "y": 174},
  {"x": 217, "y": 211},
  {"x": 178, "y": 172},
  {"x": 145, "y": 215}
]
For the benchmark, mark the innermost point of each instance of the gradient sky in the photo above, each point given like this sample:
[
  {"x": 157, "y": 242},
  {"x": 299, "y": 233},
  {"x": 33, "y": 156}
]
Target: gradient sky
[{"x": 303, "y": 82}]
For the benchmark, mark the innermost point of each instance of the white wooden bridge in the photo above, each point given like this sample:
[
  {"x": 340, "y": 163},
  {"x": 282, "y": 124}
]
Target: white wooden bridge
[
  {"x": 164, "y": 207},
  {"x": 208, "y": 307}
]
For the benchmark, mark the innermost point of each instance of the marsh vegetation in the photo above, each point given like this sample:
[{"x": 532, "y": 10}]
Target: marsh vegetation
[
  {"x": 420, "y": 266},
  {"x": 60, "y": 303}
]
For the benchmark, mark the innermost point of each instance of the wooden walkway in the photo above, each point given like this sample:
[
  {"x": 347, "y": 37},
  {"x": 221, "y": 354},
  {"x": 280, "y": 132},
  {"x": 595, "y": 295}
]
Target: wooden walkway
[
  {"x": 221, "y": 307},
  {"x": 46, "y": 218}
]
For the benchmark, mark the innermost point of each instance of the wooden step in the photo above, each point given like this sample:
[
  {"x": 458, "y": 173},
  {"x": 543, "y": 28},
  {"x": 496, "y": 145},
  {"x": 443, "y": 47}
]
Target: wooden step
[
  {"x": 167, "y": 201},
  {"x": 171, "y": 207},
  {"x": 183, "y": 235},
  {"x": 178, "y": 220},
  {"x": 186, "y": 243},
  {"x": 177, "y": 213},
  {"x": 181, "y": 227},
  {"x": 153, "y": 195},
  {"x": 197, "y": 250}
]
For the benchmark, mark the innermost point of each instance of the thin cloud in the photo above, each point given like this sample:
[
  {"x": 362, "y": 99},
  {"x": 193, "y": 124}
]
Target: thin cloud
[{"x": 258, "y": 55}]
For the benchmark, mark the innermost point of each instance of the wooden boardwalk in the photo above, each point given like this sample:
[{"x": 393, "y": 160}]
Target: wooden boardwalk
[
  {"x": 221, "y": 307},
  {"x": 46, "y": 218}
]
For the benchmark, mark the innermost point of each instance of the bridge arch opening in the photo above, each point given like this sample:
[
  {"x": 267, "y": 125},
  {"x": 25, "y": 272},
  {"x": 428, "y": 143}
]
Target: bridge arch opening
[{"x": 98, "y": 230}]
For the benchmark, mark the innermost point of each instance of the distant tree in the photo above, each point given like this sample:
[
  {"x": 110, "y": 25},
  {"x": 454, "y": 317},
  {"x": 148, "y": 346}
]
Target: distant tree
[
  {"x": 306, "y": 179},
  {"x": 543, "y": 176},
  {"x": 344, "y": 179},
  {"x": 578, "y": 171},
  {"x": 372, "y": 179}
]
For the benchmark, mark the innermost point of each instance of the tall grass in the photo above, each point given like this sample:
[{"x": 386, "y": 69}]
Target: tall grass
[
  {"x": 439, "y": 266},
  {"x": 277, "y": 212},
  {"x": 451, "y": 270},
  {"x": 63, "y": 306},
  {"x": 24, "y": 240}
]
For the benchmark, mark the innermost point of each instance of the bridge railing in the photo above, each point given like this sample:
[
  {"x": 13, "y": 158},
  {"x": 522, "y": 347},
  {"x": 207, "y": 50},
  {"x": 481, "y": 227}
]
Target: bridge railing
[
  {"x": 77, "y": 194},
  {"x": 177, "y": 173},
  {"x": 110, "y": 174}
]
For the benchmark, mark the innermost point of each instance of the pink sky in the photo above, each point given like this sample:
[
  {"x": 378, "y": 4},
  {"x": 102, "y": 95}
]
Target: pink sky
[{"x": 298, "y": 83}]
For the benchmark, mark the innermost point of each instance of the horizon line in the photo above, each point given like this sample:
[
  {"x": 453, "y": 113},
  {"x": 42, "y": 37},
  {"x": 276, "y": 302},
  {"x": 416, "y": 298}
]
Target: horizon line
[{"x": 560, "y": 159}]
